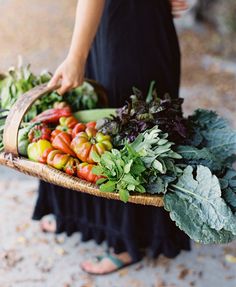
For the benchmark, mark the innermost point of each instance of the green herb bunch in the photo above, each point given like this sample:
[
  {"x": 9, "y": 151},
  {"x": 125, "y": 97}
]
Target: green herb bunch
[
  {"x": 160, "y": 160},
  {"x": 122, "y": 171},
  {"x": 149, "y": 161}
]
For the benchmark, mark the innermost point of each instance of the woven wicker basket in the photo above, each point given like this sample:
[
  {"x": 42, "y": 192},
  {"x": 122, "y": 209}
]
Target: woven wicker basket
[{"x": 11, "y": 158}]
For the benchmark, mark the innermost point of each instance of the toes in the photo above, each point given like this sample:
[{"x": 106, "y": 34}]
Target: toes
[
  {"x": 47, "y": 226},
  {"x": 85, "y": 265},
  {"x": 103, "y": 267},
  {"x": 91, "y": 267}
]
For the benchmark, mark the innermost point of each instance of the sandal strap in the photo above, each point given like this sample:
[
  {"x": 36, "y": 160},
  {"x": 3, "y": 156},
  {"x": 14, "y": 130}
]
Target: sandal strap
[{"x": 116, "y": 261}]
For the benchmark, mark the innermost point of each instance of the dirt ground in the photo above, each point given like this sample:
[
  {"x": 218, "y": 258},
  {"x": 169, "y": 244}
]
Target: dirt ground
[
  {"x": 40, "y": 31},
  {"x": 30, "y": 258}
]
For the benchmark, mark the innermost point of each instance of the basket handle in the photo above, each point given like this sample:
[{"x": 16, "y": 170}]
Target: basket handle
[{"x": 16, "y": 115}]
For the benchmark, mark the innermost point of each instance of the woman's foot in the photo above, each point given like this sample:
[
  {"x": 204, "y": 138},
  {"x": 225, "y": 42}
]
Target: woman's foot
[
  {"x": 48, "y": 224},
  {"x": 106, "y": 264}
]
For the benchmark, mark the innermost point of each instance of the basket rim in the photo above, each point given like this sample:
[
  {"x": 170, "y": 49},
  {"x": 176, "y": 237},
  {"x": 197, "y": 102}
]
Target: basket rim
[{"x": 54, "y": 176}]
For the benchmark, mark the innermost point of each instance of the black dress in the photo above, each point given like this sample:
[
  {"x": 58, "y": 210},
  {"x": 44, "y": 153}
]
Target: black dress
[{"x": 136, "y": 43}]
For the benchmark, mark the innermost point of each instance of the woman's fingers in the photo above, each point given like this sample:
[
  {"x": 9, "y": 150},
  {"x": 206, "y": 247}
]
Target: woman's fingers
[
  {"x": 65, "y": 87},
  {"x": 179, "y": 2},
  {"x": 68, "y": 75},
  {"x": 68, "y": 84},
  {"x": 55, "y": 80},
  {"x": 178, "y": 6}
]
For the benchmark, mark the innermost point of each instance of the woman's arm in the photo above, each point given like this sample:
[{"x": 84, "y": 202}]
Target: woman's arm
[{"x": 71, "y": 72}]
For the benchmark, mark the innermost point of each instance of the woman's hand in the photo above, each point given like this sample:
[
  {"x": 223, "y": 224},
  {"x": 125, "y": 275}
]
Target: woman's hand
[
  {"x": 178, "y": 6},
  {"x": 70, "y": 74}
]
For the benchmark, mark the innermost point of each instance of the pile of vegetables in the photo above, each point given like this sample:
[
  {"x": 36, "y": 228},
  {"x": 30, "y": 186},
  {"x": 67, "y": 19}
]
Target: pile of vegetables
[
  {"x": 147, "y": 146},
  {"x": 21, "y": 79},
  {"x": 55, "y": 137},
  {"x": 195, "y": 175}
]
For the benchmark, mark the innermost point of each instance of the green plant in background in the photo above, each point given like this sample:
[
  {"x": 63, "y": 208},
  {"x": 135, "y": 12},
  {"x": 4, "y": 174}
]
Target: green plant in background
[{"x": 18, "y": 81}]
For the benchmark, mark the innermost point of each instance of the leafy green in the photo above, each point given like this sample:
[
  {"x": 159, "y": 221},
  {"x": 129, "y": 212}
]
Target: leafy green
[
  {"x": 122, "y": 170},
  {"x": 139, "y": 114},
  {"x": 201, "y": 203},
  {"x": 229, "y": 196},
  {"x": 196, "y": 177},
  {"x": 221, "y": 142},
  {"x": 3, "y": 116},
  {"x": 195, "y": 156},
  {"x": 228, "y": 187},
  {"x": 213, "y": 132},
  {"x": 149, "y": 160},
  {"x": 186, "y": 218},
  {"x": 159, "y": 158},
  {"x": 196, "y": 205},
  {"x": 158, "y": 184},
  {"x": 82, "y": 98},
  {"x": 18, "y": 81},
  {"x": 207, "y": 120},
  {"x": 155, "y": 150}
]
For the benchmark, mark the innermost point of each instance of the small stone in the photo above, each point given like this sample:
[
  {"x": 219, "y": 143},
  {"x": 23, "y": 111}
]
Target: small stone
[
  {"x": 123, "y": 272},
  {"x": 60, "y": 251},
  {"x": 21, "y": 240},
  {"x": 230, "y": 258},
  {"x": 59, "y": 239},
  {"x": 183, "y": 273}
]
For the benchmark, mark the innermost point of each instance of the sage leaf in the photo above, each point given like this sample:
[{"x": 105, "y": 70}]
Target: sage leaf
[{"x": 128, "y": 166}]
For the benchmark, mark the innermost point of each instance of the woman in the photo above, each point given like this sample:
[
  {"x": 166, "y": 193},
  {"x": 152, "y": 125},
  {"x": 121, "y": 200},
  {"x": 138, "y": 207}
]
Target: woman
[{"x": 135, "y": 43}]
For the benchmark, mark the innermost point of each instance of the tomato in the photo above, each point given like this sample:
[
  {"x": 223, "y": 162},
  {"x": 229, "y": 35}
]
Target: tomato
[
  {"x": 84, "y": 171},
  {"x": 89, "y": 141}
]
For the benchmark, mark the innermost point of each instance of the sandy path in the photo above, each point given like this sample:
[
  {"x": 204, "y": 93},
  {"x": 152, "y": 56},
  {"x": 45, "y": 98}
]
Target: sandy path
[{"x": 30, "y": 258}]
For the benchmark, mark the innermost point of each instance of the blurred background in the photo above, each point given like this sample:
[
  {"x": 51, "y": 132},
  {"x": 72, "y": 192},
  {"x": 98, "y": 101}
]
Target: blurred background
[{"x": 40, "y": 31}]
